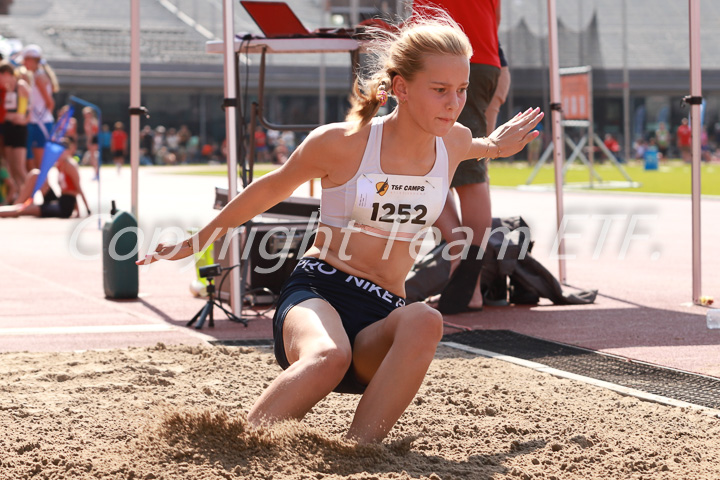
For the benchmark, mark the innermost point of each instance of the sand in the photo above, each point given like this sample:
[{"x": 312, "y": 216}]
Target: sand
[{"x": 179, "y": 413}]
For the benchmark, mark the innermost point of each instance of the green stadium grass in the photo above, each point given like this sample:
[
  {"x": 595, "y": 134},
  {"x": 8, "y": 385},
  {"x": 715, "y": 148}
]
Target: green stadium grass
[{"x": 672, "y": 176}]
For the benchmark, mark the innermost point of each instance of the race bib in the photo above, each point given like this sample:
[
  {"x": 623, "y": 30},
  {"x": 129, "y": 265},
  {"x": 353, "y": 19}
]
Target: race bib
[
  {"x": 399, "y": 205},
  {"x": 11, "y": 101}
]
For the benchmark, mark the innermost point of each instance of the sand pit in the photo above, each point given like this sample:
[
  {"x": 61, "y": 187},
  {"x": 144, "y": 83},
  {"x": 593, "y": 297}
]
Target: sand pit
[{"x": 178, "y": 413}]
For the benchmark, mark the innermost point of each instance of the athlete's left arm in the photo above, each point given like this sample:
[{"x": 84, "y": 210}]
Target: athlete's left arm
[{"x": 509, "y": 138}]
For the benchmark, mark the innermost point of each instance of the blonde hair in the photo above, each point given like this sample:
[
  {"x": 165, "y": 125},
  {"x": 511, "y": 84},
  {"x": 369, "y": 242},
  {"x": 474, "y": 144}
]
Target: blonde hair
[
  {"x": 51, "y": 75},
  {"x": 402, "y": 52}
]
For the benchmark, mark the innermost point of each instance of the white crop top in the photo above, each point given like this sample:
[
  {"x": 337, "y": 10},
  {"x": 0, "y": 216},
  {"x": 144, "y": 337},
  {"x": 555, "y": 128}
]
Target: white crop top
[
  {"x": 383, "y": 205},
  {"x": 39, "y": 113}
]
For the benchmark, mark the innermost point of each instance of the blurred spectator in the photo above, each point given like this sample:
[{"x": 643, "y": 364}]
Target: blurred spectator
[
  {"x": 684, "y": 140},
  {"x": 272, "y": 139},
  {"x": 183, "y": 136},
  {"x": 288, "y": 138},
  {"x": 91, "y": 129},
  {"x": 639, "y": 148},
  {"x": 118, "y": 145},
  {"x": 206, "y": 152},
  {"x": 280, "y": 152},
  {"x": 104, "y": 138},
  {"x": 170, "y": 158},
  {"x": 716, "y": 136},
  {"x": 612, "y": 144},
  {"x": 159, "y": 145},
  {"x": 262, "y": 153},
  {"x": 172, "y": 141},
  {"x": 7, "y": 186},
  {"x": 71, "y": 129},
  {"x": 705, "y": 150},
  {"x": 2, "y": 131},
  {"x": 662, "y": 139},
  {"x": 146, "y": 146},
  {"x": 63, "y": 206},
  {"x": 193, "y": 149},
  {"x": 42, "y": 104},
  {"x": 17, "y": 98}
]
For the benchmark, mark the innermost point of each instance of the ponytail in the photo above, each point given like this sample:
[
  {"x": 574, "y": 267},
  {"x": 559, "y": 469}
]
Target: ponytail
[
  {"x": 367, "y": 98},
  {"x": 51, "y": 75}
]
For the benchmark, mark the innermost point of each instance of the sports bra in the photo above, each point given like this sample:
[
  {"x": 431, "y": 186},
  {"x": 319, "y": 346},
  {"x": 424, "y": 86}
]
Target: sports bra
[{"x": 383, "y": 205}]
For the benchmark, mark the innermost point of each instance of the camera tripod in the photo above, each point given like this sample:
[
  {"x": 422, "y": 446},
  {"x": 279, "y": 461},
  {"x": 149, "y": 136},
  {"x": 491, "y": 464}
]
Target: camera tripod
[{"x": 206, "y": 312}]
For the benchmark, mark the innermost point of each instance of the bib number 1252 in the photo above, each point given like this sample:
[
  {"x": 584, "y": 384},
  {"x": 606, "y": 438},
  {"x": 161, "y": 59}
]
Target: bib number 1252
[{"x": 402, "y": 213}]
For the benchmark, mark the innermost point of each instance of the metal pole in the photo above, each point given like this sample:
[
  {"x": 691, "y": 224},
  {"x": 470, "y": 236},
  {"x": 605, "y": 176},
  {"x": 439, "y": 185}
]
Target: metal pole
[
  {"x": 695, "y": 120},
  {"x": 322, "y": 87},
  {"x": 557, "y": 130},
  {"x": 134, "y": 103},
  {"x": 591, "y": 128},
  {"x": 511, "y": 93},
  {"x": 230, "y": 74},
  {"x": 626, "y": 84},
  {"x": 354, "y": 12}
]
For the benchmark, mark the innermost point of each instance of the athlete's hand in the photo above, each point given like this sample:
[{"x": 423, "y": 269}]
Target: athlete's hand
[
  {"x": 512, "y": 136},
  {"x": 166, "y": 251}
]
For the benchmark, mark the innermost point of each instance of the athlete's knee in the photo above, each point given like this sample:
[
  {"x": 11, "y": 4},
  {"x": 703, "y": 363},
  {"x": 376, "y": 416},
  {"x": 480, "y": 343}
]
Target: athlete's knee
[
  {"x": 424, "y": 322},
  {"x": 331, "y": 361}
]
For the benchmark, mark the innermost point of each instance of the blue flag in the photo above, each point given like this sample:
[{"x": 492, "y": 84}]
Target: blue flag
[{"x": 53, "y": 149}]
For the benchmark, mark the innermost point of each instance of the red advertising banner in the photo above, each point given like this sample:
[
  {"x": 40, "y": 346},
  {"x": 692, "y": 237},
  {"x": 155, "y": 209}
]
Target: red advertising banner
[{"x": 575, "y": 90}]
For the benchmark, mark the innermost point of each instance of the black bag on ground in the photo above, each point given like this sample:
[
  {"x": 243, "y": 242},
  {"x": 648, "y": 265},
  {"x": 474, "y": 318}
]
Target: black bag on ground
[
  {"x": 507, "y": 257},
  {"x": 510, "y": 274},
  {"x": 428, "y": 276}
]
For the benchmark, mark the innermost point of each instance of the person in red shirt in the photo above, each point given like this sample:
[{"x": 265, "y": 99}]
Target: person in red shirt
[
  {"x": 612, "y": 144},
  {"x": 684, "y": 140},
  {"x": 118, "y": 145}
]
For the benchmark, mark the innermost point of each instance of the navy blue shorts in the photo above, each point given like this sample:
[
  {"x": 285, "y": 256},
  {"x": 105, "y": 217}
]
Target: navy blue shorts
[
  {"x": 57, "y": 207},
  {"x": 36, "y": 136},
  {"x": 358, "y": 301}
]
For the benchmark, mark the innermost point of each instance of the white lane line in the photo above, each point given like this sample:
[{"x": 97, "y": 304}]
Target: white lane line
[
  {"x": 89, "y": 329},
  {"x": 539, "y": 367}
]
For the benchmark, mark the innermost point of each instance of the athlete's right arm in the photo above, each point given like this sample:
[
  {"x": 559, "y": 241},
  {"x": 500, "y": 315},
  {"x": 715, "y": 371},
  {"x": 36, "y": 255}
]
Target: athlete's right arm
[{"x": 310, "y": 160}]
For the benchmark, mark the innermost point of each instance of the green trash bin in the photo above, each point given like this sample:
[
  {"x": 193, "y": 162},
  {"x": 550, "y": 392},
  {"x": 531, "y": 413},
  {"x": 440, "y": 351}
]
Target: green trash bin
[{"x": 120, "y": 249}]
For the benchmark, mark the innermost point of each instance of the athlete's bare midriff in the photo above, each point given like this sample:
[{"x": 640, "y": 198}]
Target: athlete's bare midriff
[{"x": 382, "y": 261}]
